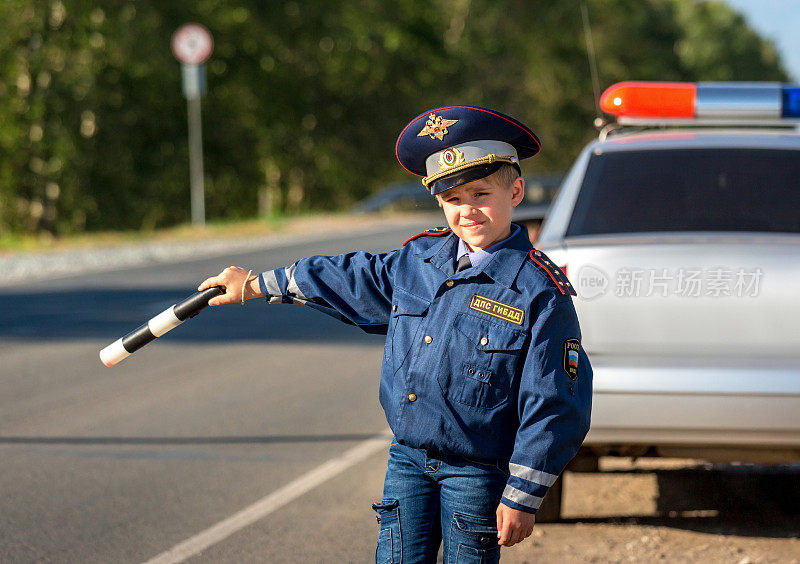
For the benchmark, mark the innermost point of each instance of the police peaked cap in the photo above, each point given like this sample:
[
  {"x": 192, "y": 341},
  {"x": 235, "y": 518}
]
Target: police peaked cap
[{"x": 453, "y": 145}]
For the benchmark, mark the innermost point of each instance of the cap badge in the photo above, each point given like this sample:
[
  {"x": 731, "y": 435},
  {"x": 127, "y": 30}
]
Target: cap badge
[
  {"x": 449, "y": 158},
  {"x": 436, "y": 127}
]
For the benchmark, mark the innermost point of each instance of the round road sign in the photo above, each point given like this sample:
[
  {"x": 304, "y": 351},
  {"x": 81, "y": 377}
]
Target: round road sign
[{"x": 192, "y": 44}]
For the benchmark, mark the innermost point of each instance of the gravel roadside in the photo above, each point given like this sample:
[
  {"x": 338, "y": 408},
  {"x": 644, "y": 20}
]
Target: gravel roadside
[
  {"x": 37, "y": 265},
  {"x": 669, "y": 510}
]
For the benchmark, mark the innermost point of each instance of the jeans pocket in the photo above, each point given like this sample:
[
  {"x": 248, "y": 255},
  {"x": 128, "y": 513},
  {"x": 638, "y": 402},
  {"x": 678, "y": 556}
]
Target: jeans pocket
[
  {"x": 390, "y": 548},
  {"x": 468, "y": 555},
  {"x": 473, "y": 539}
]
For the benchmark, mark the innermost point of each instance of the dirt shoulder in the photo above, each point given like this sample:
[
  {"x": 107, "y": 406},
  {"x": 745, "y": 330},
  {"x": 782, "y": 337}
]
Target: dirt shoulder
[
  {"x": 108, "y": 251},
  {"x": 672, "y": 511}
]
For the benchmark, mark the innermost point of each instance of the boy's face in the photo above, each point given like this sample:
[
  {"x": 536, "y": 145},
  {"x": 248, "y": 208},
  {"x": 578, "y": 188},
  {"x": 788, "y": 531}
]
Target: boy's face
[{"x": 479, "y": 212}]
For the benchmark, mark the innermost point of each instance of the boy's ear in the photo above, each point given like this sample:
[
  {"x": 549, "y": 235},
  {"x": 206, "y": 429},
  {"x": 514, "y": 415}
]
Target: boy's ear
[{"x": 517, "y": 191}]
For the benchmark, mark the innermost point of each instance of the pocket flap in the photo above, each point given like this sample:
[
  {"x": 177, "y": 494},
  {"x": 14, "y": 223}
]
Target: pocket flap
[
  {"x": 385, "y": 505},
  {"x": 473, "y": 524},
  {"x": 489, "y": 336},
  {"x": 408, "y": 304}
]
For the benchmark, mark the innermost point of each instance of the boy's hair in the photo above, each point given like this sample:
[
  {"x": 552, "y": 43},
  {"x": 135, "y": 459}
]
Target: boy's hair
[{"x": 505, "y": 175}]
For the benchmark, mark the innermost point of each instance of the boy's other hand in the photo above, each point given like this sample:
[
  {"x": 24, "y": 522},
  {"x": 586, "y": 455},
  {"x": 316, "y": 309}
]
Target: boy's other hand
[
  {"x": 513, "y": 525},
  {"x": 232, "y": 279}
]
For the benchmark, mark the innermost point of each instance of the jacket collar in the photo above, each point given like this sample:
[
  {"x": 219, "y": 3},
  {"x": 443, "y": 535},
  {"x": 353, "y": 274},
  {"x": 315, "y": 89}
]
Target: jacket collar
[{"x": 503, "y": 267}]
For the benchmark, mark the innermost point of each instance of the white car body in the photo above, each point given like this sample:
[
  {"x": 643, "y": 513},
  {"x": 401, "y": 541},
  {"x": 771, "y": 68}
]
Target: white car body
[{"x": 699, "y": 365}]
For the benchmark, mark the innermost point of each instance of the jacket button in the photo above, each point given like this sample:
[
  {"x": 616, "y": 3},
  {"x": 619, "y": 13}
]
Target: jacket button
[
  {"x": 484, "y": 341},
  {"x": 470, "y": 371},
  {"x": 412, "y": 397},
  {"x": 428, "y": 339},
  {"x": 394, "y": 307},
  {"x": 449, "y": 283}
]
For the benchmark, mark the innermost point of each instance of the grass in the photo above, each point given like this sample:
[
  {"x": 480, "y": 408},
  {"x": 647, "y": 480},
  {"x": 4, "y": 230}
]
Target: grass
[
  {"x": 302, "y": 223},
  {"x": 15, "y": 243}
]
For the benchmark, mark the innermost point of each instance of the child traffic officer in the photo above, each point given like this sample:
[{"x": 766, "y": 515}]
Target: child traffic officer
[{"x": 484, "y": 381}]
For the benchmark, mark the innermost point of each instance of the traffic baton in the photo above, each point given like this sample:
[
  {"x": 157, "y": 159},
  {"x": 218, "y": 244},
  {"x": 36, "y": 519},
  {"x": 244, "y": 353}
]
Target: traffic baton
[{"x": 162, "y": 323}]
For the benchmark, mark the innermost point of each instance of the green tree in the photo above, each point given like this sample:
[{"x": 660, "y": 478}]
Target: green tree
[{"x": 306, "y": 99}]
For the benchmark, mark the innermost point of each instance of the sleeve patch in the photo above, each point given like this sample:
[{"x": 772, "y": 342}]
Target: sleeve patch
[
  {"x": 571, "y": 349},
  {"x": 434, "y": 232},
  {"x": 553, "y": 272}
]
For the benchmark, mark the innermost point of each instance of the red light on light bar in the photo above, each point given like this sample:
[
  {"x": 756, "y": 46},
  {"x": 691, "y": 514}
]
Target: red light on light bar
[{"x": 650, "y": 99}]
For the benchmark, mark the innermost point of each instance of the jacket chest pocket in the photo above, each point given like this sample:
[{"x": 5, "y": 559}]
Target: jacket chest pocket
[
  {"x": 480, "y": 361},
  {"x": 408, "y": 311}
]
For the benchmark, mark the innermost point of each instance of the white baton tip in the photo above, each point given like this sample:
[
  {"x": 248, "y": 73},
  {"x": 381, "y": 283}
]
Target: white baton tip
[{"x": 113, "y": 353}]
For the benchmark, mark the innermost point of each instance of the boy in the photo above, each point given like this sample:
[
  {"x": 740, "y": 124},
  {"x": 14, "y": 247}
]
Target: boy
[{"x": 484, "y": 382}]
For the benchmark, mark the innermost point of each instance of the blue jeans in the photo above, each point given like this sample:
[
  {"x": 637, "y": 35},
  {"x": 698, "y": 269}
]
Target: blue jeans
[{"x": 429, "y": 498}]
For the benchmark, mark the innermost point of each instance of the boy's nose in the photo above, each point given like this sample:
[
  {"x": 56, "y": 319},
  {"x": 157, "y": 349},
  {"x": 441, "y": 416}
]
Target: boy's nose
[{"x": 468, "y": 210}]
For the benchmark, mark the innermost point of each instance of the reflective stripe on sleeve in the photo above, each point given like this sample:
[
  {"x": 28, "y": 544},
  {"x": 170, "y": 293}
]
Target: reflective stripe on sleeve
[
  {"x": 273, "y": 289},
  {"x": 532, "y": 475},
  {"x": 291, "y": 286},
  {"x": 522, "y": 498}
]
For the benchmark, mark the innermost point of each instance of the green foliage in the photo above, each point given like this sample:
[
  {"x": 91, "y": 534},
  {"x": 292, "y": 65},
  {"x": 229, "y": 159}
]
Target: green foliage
[{"x": 306, "y": 99}]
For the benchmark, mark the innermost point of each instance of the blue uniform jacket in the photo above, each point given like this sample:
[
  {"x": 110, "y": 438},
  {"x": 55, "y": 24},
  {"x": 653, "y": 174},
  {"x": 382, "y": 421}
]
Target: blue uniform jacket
[{"x": 485, "y": 363}]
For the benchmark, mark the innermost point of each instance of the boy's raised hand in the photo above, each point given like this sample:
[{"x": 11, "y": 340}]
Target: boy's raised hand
[
  {"x": 233, "y": 279},
  {"x": 513, "y": 525}
]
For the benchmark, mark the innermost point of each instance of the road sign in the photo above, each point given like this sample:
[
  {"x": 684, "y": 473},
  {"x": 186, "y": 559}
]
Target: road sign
[
  {"x": 192, "y": 44},
  {"x": 194, "y": 81}
]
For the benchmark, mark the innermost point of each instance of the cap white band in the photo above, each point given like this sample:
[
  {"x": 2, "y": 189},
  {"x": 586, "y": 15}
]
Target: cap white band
[{"x": 466, "y": 152}]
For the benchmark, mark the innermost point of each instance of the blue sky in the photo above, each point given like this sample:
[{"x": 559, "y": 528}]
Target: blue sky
[{"x": 779, "y": 20}]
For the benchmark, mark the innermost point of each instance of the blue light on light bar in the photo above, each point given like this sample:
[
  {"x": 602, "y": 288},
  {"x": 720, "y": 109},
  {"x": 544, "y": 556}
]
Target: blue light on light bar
[{"x": 791, "y": 101}]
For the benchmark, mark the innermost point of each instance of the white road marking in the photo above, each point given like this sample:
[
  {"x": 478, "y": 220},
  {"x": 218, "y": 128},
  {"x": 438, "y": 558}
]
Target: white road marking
[{"x": 266, "y": 505}]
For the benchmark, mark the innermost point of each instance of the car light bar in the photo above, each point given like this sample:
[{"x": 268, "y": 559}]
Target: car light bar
[{"x": 680, "y": 101}]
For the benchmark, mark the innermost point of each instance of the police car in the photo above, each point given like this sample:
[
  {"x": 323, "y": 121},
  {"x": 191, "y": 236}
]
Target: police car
[{"x": 680, "y": 230}]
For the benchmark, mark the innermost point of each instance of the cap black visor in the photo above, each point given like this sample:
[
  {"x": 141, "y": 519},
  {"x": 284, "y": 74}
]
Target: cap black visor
[{"x": 465, "y": 176}]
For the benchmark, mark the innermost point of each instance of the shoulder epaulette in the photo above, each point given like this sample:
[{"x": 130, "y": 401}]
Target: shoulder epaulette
[
  {"x": 554, "y": 272},
  {"x": 434, "y": 232}
]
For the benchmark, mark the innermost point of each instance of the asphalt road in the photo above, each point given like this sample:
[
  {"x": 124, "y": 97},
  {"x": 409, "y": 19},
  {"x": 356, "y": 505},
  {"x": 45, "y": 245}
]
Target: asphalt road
[
  {"x": 259, "y": 408},
  {"x": 121, "y": 464}
]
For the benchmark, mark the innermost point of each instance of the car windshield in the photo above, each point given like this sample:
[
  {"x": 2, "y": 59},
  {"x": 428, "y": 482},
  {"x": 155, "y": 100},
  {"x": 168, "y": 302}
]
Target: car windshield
[{"x": 689, "y": 190}]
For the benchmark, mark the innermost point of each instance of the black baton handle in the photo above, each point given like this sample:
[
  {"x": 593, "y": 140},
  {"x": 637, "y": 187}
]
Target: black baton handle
[
  {"x": 158, "y": 325},
  {"x": 192, "y": 305}
]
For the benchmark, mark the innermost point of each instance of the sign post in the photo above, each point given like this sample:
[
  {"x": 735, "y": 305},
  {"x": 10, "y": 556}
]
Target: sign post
[{"x": 192, "y": 45}]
